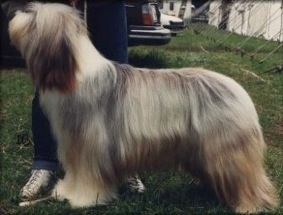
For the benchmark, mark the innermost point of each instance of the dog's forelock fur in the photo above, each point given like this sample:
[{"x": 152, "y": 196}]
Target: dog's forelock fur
[{"x": 46, "y": 38}]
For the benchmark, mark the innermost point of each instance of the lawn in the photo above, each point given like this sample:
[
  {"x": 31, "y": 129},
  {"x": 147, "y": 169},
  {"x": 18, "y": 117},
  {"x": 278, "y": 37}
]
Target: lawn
[{"x": 168, "y": 192}]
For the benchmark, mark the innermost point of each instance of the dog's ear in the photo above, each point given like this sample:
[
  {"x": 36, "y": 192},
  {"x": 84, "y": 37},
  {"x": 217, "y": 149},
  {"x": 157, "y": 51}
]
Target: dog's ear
[
  {"x": 52, "y": 63},
  {"x": 54, "y": 66}
]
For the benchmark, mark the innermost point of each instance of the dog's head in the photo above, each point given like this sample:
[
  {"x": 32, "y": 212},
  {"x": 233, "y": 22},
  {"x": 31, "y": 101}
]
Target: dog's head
[{"x": 45, "y": 35}]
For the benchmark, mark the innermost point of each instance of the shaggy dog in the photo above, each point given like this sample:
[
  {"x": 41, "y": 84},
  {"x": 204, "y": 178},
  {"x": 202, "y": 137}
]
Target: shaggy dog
[{"x": 113, "y": 120}]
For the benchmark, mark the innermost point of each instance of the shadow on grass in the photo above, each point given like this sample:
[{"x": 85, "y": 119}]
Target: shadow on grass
[
  {"x": 149, "y": 59},
  {"x": 171, "y": 192}
]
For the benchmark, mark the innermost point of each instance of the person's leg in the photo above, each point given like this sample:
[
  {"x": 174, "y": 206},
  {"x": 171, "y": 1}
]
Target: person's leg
[
  {"x": 45, "y": 146},
  {"x": 45, "y": 161},
  {"x": 108, "y": 30}
]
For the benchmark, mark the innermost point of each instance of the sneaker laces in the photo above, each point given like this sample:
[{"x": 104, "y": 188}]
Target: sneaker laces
[{"x": 135, "y": 184}]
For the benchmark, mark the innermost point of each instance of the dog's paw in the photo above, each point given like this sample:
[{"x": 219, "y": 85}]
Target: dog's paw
[
  {"x": 60, "y": 192},
  {"x": 81, "y": 194}
]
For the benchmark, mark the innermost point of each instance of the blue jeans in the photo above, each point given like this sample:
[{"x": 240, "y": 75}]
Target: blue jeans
[{"x": 108, "y": 31}]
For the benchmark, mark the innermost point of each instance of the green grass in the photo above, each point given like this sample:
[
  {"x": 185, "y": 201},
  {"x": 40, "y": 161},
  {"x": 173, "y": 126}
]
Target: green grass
[{"x": 168, "y": 192}]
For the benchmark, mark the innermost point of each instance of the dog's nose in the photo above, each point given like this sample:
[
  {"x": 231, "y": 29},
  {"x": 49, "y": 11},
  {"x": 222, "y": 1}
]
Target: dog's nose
[{"x": 10, "y": 7}]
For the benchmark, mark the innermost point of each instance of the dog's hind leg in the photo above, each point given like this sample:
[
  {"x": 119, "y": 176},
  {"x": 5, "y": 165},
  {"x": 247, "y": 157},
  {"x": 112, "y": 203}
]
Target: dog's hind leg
[{"x": 233, "y": 167}]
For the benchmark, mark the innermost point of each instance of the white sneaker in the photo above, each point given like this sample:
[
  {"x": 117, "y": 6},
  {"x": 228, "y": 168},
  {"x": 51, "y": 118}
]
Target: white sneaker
[
  {"x": 135, "y": 184},
  {"x": 39, "y": 185}
]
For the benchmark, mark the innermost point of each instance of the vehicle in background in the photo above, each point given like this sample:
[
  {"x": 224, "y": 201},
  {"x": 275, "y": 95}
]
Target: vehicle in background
[
  {"x": 173, "y": 23},
  {"x": 144, "y": 27}
]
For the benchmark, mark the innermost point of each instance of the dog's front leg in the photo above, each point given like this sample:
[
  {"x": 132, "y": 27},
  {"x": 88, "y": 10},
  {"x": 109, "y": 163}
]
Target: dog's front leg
[{"x": 83, "y": 184}]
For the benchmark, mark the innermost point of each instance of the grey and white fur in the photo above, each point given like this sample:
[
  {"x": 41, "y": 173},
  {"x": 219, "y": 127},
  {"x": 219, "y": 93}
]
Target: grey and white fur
[{"x": 113, "y": 120}]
